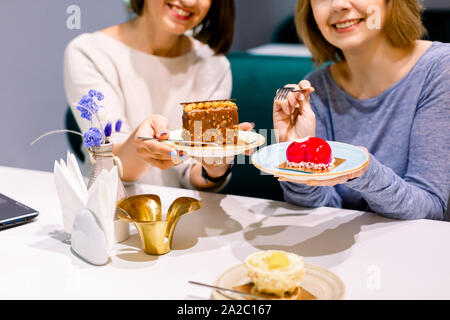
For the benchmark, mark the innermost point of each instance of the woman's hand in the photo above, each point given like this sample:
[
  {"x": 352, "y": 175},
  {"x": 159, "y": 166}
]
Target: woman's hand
[
  {"x": 215, "y": 167},
  {"x": 334, "y": 181},
  {"x": 155, "y": 153},
  {"x": 293, "y": 117}
]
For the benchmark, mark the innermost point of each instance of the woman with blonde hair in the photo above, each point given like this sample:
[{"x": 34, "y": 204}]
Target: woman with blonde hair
[
  {"x": 386, "y": 91},
  {"x": 171, "y": 52}
]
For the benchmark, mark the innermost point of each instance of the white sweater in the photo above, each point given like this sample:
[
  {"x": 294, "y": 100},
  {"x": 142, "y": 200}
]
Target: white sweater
[{"x": 136, "y": 84}]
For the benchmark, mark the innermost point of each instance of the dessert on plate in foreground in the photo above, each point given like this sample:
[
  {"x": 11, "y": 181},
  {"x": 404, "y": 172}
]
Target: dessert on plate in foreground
[
  {"x": 310, "y": 154},
  {"x": 276, "y": 272}
]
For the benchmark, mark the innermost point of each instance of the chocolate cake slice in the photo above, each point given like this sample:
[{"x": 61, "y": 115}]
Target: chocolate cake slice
[{"x": 211, "y": 121}]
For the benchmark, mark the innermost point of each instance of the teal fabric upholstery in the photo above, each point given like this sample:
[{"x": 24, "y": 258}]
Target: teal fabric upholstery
[{"x": 255, "y": 81}]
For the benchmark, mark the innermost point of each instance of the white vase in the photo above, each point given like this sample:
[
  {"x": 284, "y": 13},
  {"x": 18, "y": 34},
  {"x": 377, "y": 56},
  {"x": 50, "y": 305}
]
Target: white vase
[{"x": 103, "y": 158}]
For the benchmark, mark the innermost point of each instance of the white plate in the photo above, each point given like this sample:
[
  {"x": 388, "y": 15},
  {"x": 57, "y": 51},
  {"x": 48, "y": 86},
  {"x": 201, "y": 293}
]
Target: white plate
[
  {"x": 251, "y": 139},
  {"x": 320, "y": 282},
  {"x": 269, "y": 158}
]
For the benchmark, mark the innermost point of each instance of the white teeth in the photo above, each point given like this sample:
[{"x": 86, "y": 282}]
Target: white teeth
[
  {"x": 181, "y": 12},
  {"x": 346, "y": 24}
]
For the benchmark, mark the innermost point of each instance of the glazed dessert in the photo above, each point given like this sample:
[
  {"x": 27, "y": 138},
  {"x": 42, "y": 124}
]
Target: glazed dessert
[
  {"x": 211, "y": 121},
  {"x": 276, "y": 272},
  {"x": 310, "y": 154}
]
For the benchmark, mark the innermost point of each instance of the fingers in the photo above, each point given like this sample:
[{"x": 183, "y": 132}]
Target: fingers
[
  {"x": 160, "y": 126},
  {"x": 160, "y": 160},
  {"x": 246, "y": 126},
  {"x": 162, "y": 164},
  {"x": 157, "y": 150},
  {"x": 307, "y": 89},
  {"x": 250, "y": 152},
  {"x": 294, "y": 100},
  {"x": 155, "y": 126},
  {"x": 283, "y": 179},
  {"x": 289, "y": 104},
  {"x": 305, "y": 84},
  {"x": 327, "y": 183},
  {"x": 281, "y": 105},
  {"x": 318, "y": 183}
]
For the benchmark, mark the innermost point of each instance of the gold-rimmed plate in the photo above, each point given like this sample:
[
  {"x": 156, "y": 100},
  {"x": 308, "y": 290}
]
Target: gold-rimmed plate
[
  {"x": 317, "y": 281},
  {"x": 247, "y": 140}
]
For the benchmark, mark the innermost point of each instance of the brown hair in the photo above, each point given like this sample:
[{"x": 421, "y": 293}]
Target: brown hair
[
  {"x": 403, "y": 25},
  {"x": 216, "y": 29}
]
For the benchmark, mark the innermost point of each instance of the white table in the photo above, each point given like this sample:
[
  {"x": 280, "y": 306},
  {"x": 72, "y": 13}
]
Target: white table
[{"x": 377, "y": 258}]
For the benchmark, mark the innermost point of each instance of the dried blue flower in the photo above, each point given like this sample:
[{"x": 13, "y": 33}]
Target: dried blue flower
[
  {"x": 100, "y": 96},
  {"x": 94, "y": 93},
  {"x": 88, "y": 108},
  {"x": 108, "y": 129},
  {"x": 85, "y": 113},
  {"x": 92, "y": 137},
  {"x": 118, "y": 125},
  {"x": 94, "y": 107},
  {"x": 87, "y": 101}
]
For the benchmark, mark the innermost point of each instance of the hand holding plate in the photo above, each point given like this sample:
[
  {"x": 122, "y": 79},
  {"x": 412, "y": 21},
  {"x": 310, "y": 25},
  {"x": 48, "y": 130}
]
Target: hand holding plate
[
  {"x": 332, "y": 181},
  {"x": 155, "y": 153}
]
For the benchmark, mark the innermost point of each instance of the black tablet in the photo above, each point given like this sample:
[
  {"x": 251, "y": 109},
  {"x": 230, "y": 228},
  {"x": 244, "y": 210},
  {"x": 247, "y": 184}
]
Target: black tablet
[{"x": 13, "y": 213}]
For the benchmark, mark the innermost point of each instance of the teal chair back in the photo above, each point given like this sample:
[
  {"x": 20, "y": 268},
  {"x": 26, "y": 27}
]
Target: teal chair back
[{"x": 255, "y": 81}]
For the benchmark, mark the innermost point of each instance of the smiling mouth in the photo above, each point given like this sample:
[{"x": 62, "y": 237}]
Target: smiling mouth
[
  {"x": 180, "y": 12},
  {"x": 347, "y": 24}
]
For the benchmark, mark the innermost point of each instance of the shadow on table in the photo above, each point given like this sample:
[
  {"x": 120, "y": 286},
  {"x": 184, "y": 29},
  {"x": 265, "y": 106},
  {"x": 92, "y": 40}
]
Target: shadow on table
[
  {"x": 271, "y": 208},
  {"x": 210, "y": 220},
  {"x": 332, "y": 237},
  {"x": 213, "y": 220},
  {"x": 58, "y": 240},
  {"x": 134, "y": 252}
]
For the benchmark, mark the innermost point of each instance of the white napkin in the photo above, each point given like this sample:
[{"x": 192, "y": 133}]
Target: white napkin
[
  {"x": 102, "y": 202},
  {"x": 71, "y": 189},
  {"x": 73, "y": 195}
]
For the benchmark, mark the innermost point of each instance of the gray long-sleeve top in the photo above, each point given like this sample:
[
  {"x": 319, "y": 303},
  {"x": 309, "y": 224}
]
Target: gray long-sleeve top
[{"x": 407, "y": 132}]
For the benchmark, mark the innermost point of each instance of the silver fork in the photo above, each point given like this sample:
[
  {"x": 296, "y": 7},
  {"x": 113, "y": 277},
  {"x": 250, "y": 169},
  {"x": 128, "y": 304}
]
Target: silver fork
[
  {"x": 181, "y": 141},
  {"x": 282, "y": 93},
  {"x": 229, "y": 290}
]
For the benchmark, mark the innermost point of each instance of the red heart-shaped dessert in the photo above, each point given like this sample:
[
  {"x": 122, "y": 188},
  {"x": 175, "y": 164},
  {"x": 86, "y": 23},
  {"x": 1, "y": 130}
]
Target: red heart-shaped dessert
[{"x": 309, "y": 150}]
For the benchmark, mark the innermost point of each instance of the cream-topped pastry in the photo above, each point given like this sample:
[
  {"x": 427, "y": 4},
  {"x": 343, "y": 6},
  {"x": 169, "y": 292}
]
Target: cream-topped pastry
[{"x": 275, "y": 271}]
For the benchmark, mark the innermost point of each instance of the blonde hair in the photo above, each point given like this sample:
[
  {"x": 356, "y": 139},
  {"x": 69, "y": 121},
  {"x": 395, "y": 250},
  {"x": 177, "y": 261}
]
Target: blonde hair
[{"x": 403, "y": 25}]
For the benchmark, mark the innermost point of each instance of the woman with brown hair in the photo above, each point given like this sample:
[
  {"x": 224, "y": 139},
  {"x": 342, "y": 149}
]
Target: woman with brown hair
[
  {"x": 145, "y": 68},
  {"x": 387, "y": 91}
]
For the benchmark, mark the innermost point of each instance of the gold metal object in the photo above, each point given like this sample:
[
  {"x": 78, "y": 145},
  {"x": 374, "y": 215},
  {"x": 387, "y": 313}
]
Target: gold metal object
[{"x": 145, "y": 212}]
